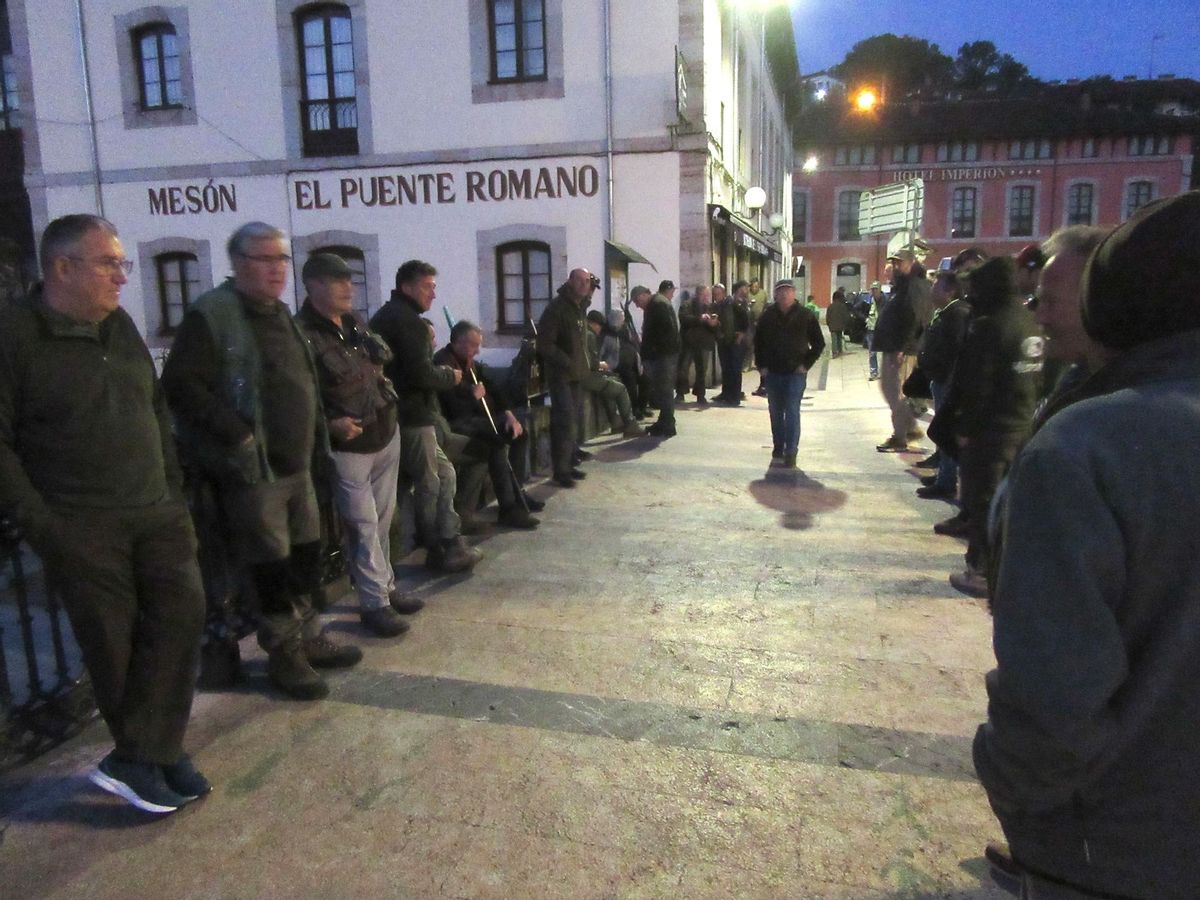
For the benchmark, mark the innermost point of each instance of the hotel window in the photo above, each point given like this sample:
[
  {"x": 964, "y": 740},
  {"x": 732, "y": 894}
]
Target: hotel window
[
  {"x": 1087, "y": 148},
  {"x": 958, "y": 151},
  {"x": 328, "y": 108},
  {"x": 906, "y": 153},
  {"x": 847, "y": 224},
  {"x": 524, "y": 283},
  {"x": 799, "y": 216},
  {"x": 1020, "y": 210},
  {"x": 160, "y": 79},
  {"x": 1137, "y": 195},
  {"x": 1149, "y": 145},
  {"x": 358, "y": 277},
  {"x": 962, "y": 213},
  {"x": 854, "y": 155},
  {"x": 518, "y": 30},
  {"x": 1031, "y": 148},
  {"x": 1079, "y": 203},
  {"x": 178, "y": 286}
]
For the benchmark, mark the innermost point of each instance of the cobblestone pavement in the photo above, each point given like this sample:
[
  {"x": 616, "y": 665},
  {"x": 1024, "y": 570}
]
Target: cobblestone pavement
[{"x": 702, "y": 677}]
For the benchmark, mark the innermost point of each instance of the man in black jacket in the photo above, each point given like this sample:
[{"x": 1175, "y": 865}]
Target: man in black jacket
[
  {"x": 417, "y": 381},
  {"x": 990, "y": 401},
  {"x": 359, "y": 403},
  {"x": 476, "y": 409},
  {"x": 897, "y": 339},
  {"x": 733, "y": 314},
  {"x": 698, "y": 332},
  {"x": 660, "y": 355},
  {"x": 787, "y": 343},
  {"x": 88, "y": 472},
  {"x": 939, "y": 353},
  {"x": 560, "y": 344}
]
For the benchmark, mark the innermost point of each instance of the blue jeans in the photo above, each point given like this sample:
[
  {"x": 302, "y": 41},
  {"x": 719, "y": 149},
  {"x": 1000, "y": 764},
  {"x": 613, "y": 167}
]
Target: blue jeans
[
  {"x": 947, "y": 473},
  {"x": 783, "y": 400},
  {"x": 872, "y": 357}
]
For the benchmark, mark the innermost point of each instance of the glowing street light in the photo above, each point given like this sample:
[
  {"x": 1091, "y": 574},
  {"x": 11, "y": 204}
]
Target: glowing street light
[
  {"x": 821, "y": 94},
  {"x": 810, "y": 164},
  {"x": 866, "y": 100}
]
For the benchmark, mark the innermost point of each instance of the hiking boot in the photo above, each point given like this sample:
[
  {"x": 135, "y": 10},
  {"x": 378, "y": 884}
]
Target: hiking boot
[
  {"x": 564, "y": 480},
  {"x": 789, "y": 461},
  {"x": 970, "y": 582},
  {"x": 578, "y": 474},
  {"x": 184, "y": 780},
  {"x": 914, "y": 434},
  {"x": 928, "y": 480},
  {"x": 384, "y": 621},
  {"x": 533, "y": 505},
  {"x": 937, "y": 492},
  {"x": 323, "y": 653},
  {"x": 142, "y": 784},
  {"x": 955, "y": 526},
  {"x": 893, "y": 445},
  {"x": 453, "y": 555},
  {"x": 405, "y": 604},
  {"x": 633, "y": 430},
  {"x": 290, "y": 671},
  {"x": 516, "y": 517}
]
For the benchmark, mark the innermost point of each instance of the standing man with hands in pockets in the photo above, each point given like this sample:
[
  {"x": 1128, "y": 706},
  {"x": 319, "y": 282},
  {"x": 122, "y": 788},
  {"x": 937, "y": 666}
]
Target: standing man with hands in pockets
[{"x": 787, "y": 344}]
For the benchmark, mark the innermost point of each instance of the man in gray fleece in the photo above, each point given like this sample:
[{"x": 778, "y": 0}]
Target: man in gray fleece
[{"x": 1091, "y": 748}]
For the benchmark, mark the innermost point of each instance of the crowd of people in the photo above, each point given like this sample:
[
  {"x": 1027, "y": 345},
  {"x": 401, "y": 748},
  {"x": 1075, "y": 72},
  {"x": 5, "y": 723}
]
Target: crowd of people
[{"x": 1066, "y": 390}]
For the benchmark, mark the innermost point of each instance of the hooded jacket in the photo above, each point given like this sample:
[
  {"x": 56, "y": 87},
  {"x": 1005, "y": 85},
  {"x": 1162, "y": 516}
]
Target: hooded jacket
[{"x": 560, "y": 337}]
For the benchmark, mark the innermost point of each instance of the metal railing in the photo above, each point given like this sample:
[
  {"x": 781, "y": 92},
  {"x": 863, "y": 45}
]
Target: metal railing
[{"x": 330, "y": 127}]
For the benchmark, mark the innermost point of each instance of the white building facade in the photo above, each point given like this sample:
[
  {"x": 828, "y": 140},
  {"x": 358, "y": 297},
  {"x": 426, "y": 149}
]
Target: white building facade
[{"x": 505, "y": 141}]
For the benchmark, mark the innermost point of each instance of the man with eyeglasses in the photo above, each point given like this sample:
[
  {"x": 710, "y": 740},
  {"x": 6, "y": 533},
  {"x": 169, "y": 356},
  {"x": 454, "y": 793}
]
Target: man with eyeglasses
[
  {"x": 244, "y": 388},
  {"x": 89, "y": 473}
]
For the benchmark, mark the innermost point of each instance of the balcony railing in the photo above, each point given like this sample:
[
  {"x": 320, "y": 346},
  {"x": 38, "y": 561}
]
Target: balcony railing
[{"x": 330, "y": 127}]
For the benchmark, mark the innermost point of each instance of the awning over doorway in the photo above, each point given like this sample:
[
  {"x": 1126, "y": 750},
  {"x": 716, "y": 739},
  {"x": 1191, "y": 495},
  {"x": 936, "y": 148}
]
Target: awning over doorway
[
  {"x": 745, "y": 234},
  {"x": 627, "y": 253}
]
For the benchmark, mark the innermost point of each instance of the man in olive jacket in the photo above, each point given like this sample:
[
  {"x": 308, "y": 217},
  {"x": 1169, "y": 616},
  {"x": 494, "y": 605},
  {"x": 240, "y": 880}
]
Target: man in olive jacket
[
  {"x": 417, "y": 381},
  {"x": 787, "y": 344},
  {"x": 560, "y": 344},
  {"x": 88, "y": 472},
  {"x": 660, "y": 355},
  {"x": 897, "y": 339}
]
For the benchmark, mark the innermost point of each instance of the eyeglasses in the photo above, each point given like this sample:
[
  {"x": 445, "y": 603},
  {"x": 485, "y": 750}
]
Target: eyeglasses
[
  {"x": 281, "y": 259},
  {"x": 111, "y": 263}
]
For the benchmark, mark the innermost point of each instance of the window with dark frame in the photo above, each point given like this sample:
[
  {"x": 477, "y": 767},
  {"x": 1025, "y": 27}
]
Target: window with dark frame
[
  {"x": 178, "y": 286},
  {"x": 1137, "y": 195},
  {"x": 962, "y": 212},
  {"x": 1030, "y": 148},
  {"x": 328, "y": 106},
  {"x": 848, "y": 215},
  {"x": 518, "y": 29},
  {"x": 156, "y": 49},
  {"x": 799, "y": 216},
  {"x": 958, "y": 151},
  {"x": 10, "y": 103},
  {"x": 906, "y": 153},
  {"x": 1020, "y": 210},
  {"x": 358, "y": 267},
  {"x": 523, "y": 284},
  {"x": 1079, "y": 203}
]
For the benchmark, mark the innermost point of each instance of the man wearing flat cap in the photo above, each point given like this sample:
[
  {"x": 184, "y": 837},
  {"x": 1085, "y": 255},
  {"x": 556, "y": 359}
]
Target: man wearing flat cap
[
  {"x": 897, "y": 340},
  {"x": 1090, "y": 752},
  {"x": 360, "y": 412},
  {"x": 786, "y": 345}
]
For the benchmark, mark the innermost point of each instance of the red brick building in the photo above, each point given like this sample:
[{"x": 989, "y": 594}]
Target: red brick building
[{"x": 998, "y": 174}]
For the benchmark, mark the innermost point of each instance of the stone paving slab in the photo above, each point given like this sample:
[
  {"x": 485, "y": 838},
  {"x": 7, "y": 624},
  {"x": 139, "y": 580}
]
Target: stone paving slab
[{"x": 702, "y": 677}]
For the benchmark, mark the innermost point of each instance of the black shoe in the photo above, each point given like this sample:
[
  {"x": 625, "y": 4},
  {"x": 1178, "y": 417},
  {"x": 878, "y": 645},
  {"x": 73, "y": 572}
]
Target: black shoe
[
  {"x": 663, "y": 432},
  {"x": 680, "y": 398},
  {"x": 702, "y": 400},
  {"x": 473, "y": 525},
  {"x": 777, "y": 453},
  {"x": 893, "y": 445},
  {"x": 581, "y": 456},
  {"x": 184, "y": 780},
  {"x": 220, "y": 664},
  {"x": 761, "y": 392},
  {"x": 384, "y": 621},
  {"x": 565, "y": 481},
  {"x": 516, "y": 517},
  {"x": 534, "y": 505},
  {"x": 578, "y": 474},
  {"x": 142, "y": 784},
  {"x": 405, "y": 604},
  {"x": 937, "y": 492},
  {"x": 322, "y": 653},
  {"x": 789, "y": 461},
  {"x": 955, "y": 526},
  {"x": 932, "y": 461},
  {"x": 928, "y": 480},
  {"x": 291, "y": 672}
]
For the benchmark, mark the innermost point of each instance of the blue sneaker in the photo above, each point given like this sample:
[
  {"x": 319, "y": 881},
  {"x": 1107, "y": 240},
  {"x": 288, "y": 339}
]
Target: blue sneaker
[
  {"x": 142, "y": 784},
  {"x": 184, "y": 780}
]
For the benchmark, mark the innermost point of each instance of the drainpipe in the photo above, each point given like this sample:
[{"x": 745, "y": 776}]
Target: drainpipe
[
  {"x": 91, "y": 114},
  {"x": 608, "y": 109}
]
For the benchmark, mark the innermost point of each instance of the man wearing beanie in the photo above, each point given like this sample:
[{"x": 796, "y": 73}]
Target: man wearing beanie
[
  {"x": 1090, "y": 752},
  {"x": 990, "y": 401}
]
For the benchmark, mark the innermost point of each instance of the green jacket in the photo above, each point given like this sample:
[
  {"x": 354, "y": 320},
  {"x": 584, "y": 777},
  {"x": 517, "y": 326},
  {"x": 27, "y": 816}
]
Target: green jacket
[
  {"x": 83, "y": 421},
  {"x": 238, "y": 385}
]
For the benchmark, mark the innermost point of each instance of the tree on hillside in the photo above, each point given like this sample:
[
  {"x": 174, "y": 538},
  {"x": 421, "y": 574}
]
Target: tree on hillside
[{"x": 903, "y": 65}]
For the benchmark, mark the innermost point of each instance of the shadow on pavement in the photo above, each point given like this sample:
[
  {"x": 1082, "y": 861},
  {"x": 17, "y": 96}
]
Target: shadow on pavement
[
  {"x": 798, "y": 498},
  {"x": 627, "y": 450}
]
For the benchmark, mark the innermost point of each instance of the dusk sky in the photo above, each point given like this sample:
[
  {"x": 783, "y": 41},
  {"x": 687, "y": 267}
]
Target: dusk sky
[{"x": 1056, "y": 39}]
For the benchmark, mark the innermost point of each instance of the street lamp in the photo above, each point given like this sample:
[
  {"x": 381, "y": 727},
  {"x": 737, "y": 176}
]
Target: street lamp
[
  {"x": 811, "y": 163},
  {"x": 866, "y": 100},
  {"x": 756, "y": 199}
]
